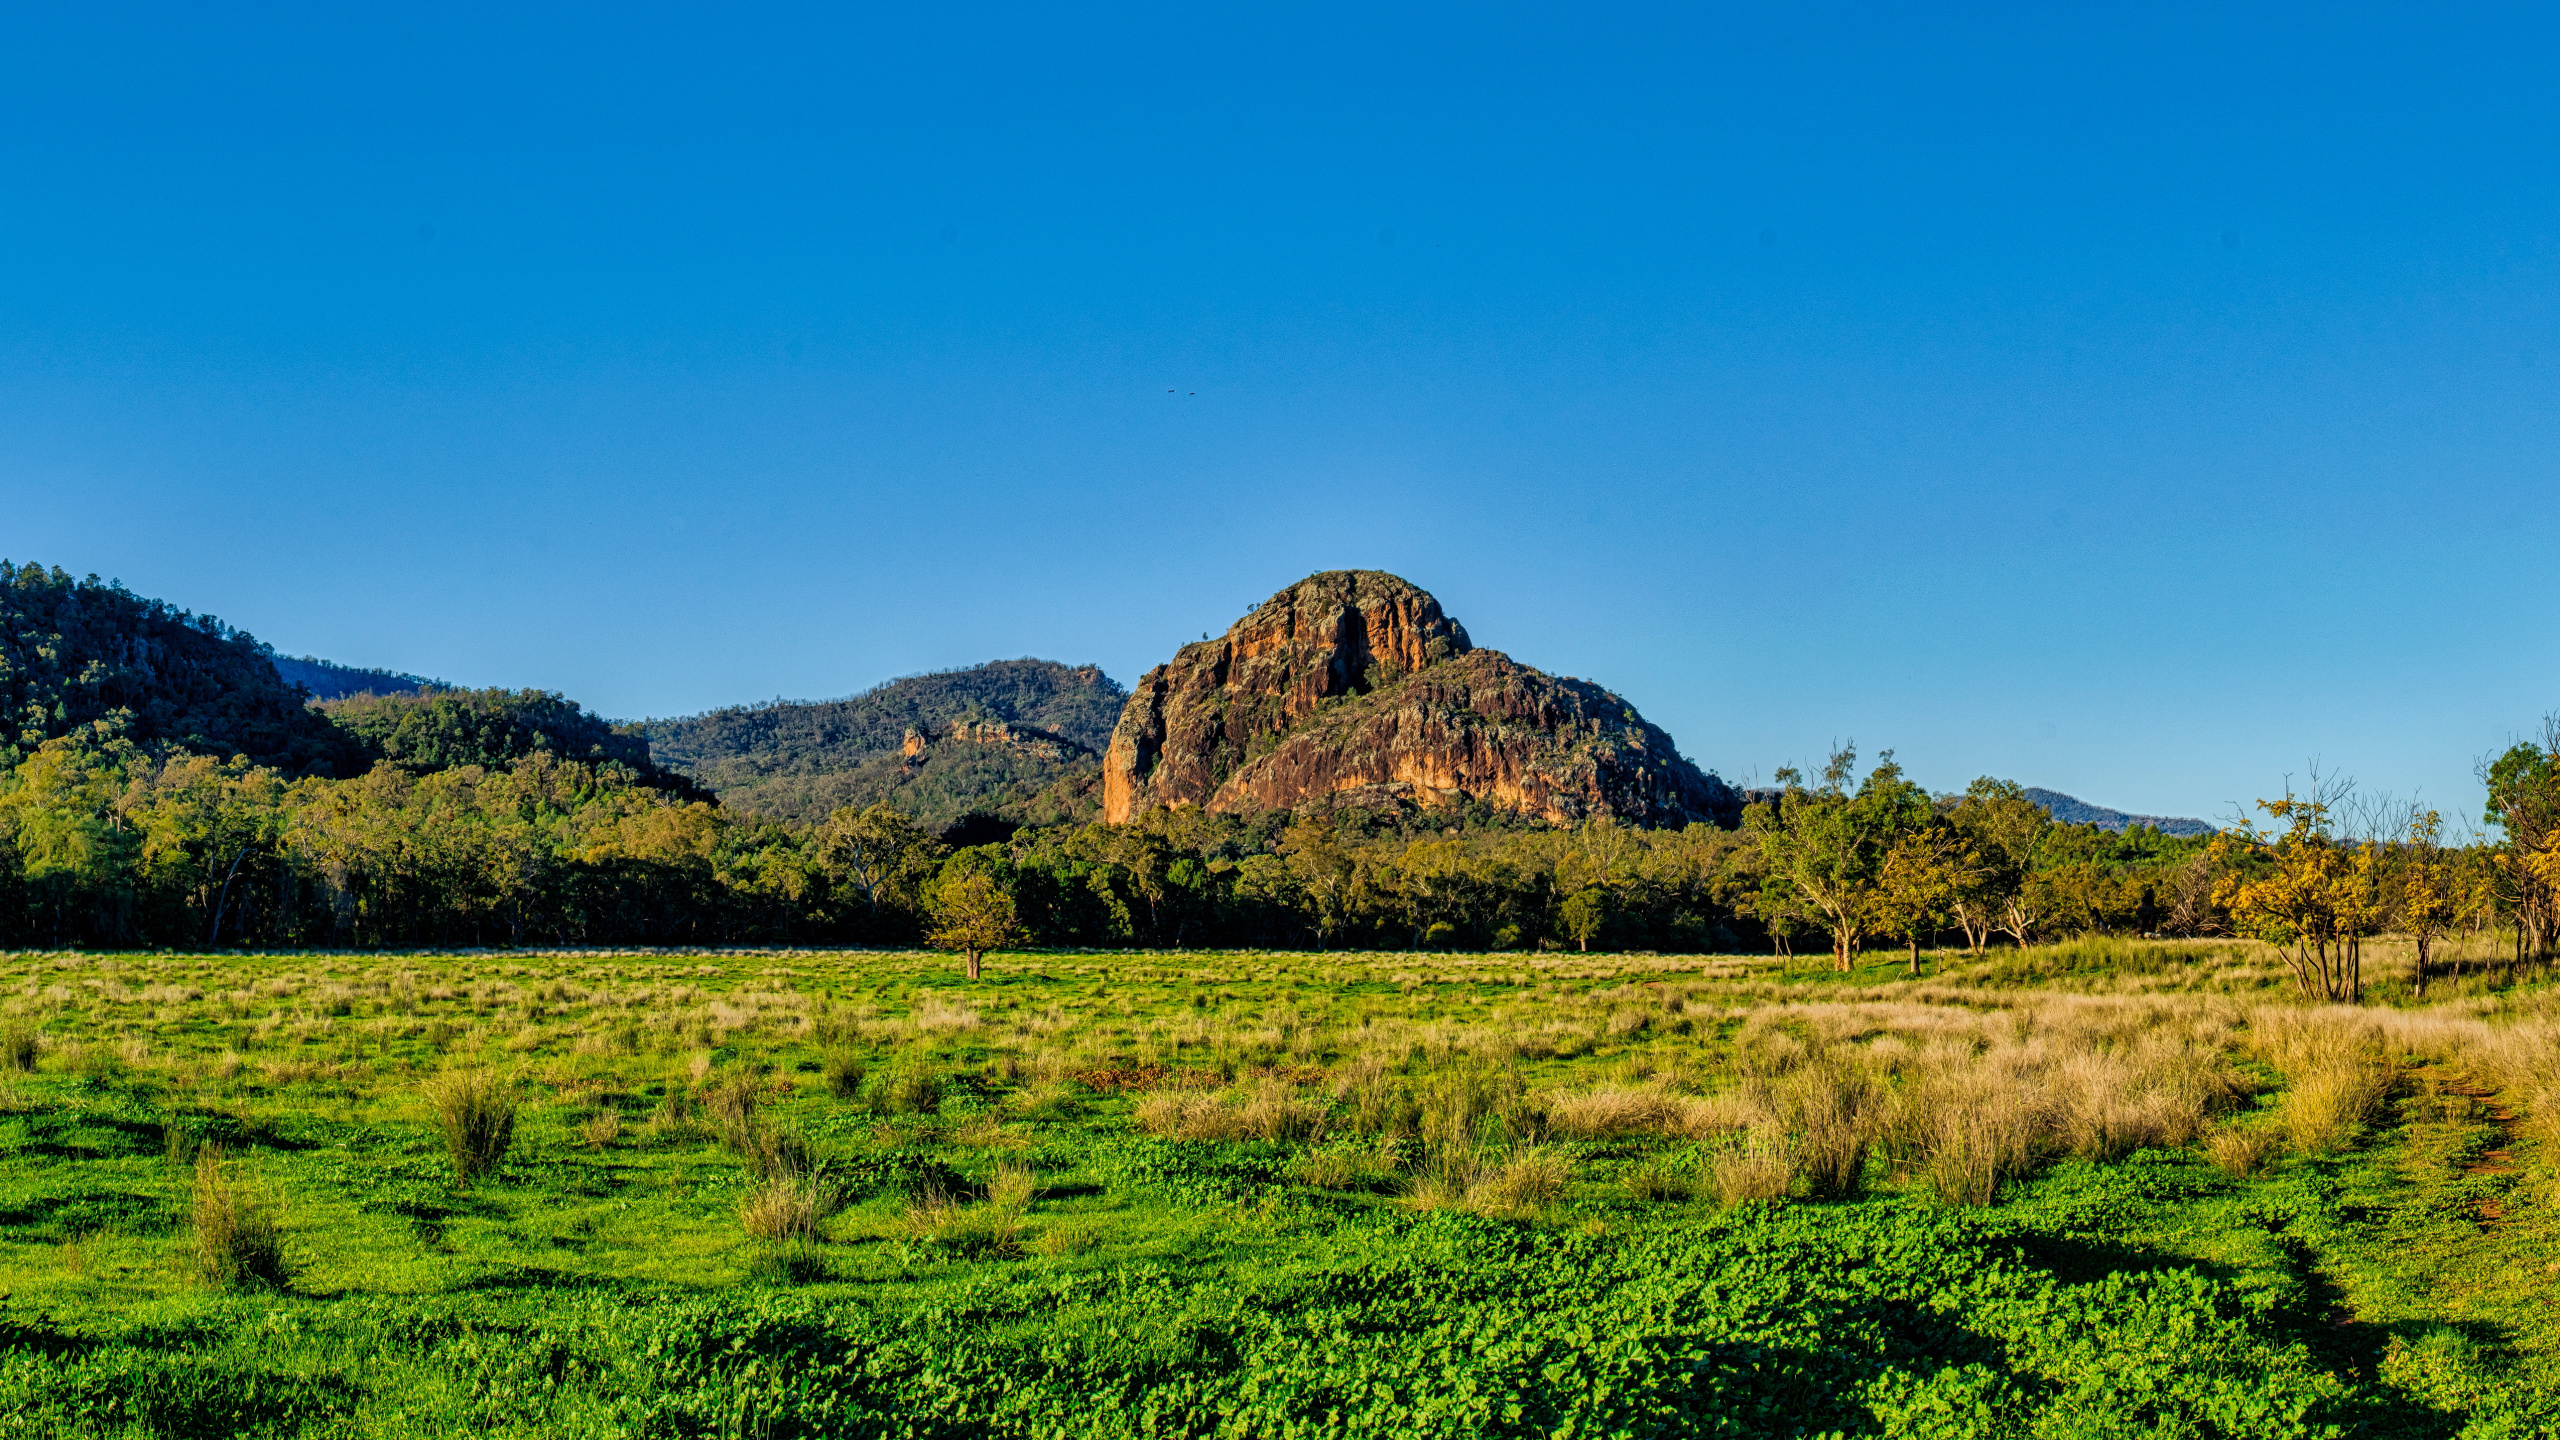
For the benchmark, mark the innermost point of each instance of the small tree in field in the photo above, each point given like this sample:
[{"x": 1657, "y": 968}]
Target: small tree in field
[
  {"x": 2430, "y": 892},
  {"x": 973, "y": 914},
  {"x": 1585, "y": 914},
  {"x": 1919, "y": 886},
  {"x": 1828, "y": 844},
  {"x": 2311, "y": 895}
]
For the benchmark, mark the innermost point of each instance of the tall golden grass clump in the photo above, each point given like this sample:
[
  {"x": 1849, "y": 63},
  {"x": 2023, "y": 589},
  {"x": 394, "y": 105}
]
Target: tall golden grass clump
[
  {"x": 2330, "y": 1100},
  {"x": 966, "y": 1230},
  {"x": 1469, "y": 1104},
  {"x": 19, "y": 1047},
  {"x": 1966, "y": 1127},
  {"x": 1013, "y": 1186},
  {"x": 236, "y": 1239},
  {"x": 1516, "y": 1182},
  {"x": 1831, "y": 1107},
  {"x": 1333, "y": 1167},
  {"x": 1608, "y": 1111},
  {"x": 476, "y": 1111},
  {"x": 2521, "y": 1061},
  {"x": 2242, "y": 1149},
  {"x": 1761, "y": 1167},
  {"x": 2337, "y": 1068},
  {"x": 1272, "y": 1109},
  {"x": 787, "y": 1209},
  {"x": 731, "y": 1104},
  {"x": 599, "y": 1130}
]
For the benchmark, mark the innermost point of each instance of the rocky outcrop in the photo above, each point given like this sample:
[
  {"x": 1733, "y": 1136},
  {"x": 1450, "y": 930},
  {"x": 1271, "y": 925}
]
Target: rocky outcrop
[
  {"x": 1023, "y": 740},
  {"x": 1352, "y": 686}
]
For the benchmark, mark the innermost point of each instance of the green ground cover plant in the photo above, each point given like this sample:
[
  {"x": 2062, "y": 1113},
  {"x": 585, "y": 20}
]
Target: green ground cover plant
[{"x": 1264, "y": 1193}]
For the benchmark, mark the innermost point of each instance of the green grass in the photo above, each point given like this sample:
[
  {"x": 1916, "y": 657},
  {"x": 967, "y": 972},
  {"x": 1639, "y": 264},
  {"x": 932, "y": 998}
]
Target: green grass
[{"x": 994, "y": 1247}]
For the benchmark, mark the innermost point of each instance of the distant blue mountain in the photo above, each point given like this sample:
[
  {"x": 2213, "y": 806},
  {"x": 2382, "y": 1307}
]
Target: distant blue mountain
[
  {"x": 328, "y": 680},
  {"x": 2079, "y": 812}
]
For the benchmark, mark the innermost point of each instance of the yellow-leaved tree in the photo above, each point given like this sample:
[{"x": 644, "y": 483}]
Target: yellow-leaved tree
[{"x": 2308, "y": 893}]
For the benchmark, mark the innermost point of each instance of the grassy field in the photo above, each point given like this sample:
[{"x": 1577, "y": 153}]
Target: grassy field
[{"x": 2109, "y": 1188}]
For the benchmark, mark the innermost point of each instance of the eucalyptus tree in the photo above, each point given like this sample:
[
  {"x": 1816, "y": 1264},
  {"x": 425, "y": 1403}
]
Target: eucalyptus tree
[{"x": 1829, "y": 843}]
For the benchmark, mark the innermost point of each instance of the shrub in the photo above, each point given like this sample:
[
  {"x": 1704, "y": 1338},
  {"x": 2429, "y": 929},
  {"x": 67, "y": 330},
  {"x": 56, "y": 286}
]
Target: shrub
[
  {"x": 476, "y": 1110},
  {"x": 236, "y": 1239},
  {"x": 843, "y": 1074}
]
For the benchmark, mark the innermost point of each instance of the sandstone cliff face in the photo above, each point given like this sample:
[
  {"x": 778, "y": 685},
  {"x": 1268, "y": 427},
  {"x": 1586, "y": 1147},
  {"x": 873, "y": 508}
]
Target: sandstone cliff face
[{"x": 1352, "y": 685}]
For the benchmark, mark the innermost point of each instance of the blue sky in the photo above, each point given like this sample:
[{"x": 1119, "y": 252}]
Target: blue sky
[{"x": 2141, "y": 405}]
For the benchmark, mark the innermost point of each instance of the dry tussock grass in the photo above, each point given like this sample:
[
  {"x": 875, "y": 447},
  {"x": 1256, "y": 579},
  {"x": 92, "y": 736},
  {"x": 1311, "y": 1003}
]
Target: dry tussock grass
[
  {"x": 236, "y": 1239},
  {"x": 934, "y": 1014},
  {"x": 1610, "y": 1111},
  {"x": 1517, "y": 1182},
  {"x": 789, "y": 1209},
  {"x": 1269, "y": 1109}
]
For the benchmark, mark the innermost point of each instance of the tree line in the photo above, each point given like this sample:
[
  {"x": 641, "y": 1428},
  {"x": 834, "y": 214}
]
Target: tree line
[{"x": 108, "y": 841}]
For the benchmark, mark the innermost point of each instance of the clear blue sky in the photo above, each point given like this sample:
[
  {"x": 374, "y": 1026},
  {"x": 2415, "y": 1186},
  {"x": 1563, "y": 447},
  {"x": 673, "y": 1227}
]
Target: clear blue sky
[{"x": 2140, "y": 406}]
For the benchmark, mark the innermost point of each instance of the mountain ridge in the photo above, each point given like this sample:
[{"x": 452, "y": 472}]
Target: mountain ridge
[
  {"x": 2073, "y": 811},
  {"x": 1015, "y": 739}
]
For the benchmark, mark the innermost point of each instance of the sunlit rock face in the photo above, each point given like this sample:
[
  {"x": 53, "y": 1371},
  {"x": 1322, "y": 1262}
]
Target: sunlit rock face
[{"x": 1353, "y": 686}]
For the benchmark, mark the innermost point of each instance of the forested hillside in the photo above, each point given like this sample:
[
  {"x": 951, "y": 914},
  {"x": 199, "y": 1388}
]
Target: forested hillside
[
  {"x": 73, "y": 652},
  {"x": 1011, "y": 738},
  {"x": 434, "y": 730}
]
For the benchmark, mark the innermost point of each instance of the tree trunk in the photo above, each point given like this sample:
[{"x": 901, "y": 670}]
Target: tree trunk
[
  {"x": 973, "y": 964},
  {"x": 2418, "y": 982},
  {"x": 213, "y": 936},
  {"x": 1915, "y": 953}
]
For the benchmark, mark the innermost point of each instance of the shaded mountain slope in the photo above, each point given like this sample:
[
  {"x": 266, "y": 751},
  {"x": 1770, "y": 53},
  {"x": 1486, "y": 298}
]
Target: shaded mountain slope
[
  {"x": 328, "y": 680},
  {"x": 76, "y": 651}
]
